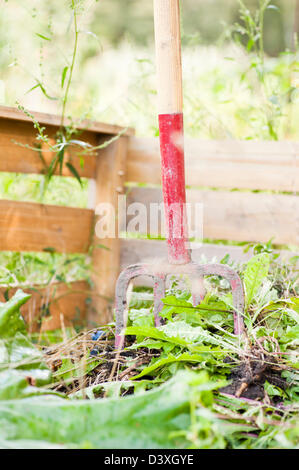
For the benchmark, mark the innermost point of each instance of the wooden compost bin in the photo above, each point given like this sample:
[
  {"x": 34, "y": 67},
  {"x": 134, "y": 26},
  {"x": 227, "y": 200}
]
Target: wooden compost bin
[
  {"x": 33, "y": 227},
  {"x": 266, "y": 205}
]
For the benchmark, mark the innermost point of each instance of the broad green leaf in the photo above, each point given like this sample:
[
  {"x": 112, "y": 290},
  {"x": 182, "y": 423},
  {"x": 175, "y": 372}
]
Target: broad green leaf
[
  {"x": 148, "y": 332},
  {"x": 27, "y": 444},
  {"x": 11, "y": 320},
  {"x": 292, "y": 334},
  {"x": 185, "y": 357},
  {"x": 211, "y": 309},
  {"x": 173, "y": 300},
  {"x": 20, "y": 355},
  {"x": 14, "y": 384},
  {"x": 21, "y": 362},
  {"x": 22, "y": 352},
  {"x": 183, "y": 330},
  {"x": 140, "y": 300},
  {"x": 191, "y": 335},
  {"x": 295, "y": 305},
  {"x": 142, "y": 421},
  {"x": 256, "y": 271}
]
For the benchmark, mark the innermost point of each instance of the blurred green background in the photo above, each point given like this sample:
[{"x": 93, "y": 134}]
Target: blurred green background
[{"x": 114, "y": 75}]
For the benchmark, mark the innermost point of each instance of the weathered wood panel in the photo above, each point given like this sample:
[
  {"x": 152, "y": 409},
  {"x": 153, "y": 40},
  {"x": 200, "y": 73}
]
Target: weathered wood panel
[
  {"x": 111, "y": 166},
  {"x": 7, "y": 112},
  {"x": 43, "y": 310},
  {"x": 140, "y": 251},
  {"x": 28, "y": 226},
  {"x": 18, "y": 137},
  {"x": 222, "y": 164},
  {"x": 14, "y": 157},
  {"x": 236, "y": 215}
]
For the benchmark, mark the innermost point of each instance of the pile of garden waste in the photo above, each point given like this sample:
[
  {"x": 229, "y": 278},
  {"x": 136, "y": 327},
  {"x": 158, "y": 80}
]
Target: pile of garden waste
[{"x": 190, "y": 383}]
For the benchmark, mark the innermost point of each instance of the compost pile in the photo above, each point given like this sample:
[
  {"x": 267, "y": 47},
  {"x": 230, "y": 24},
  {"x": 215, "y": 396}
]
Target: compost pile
[
  {"x": 188, "y": 383},
  {"x": 255, "y": 366}
]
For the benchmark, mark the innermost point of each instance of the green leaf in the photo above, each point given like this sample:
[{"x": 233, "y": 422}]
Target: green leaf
[
  {"x": 272, "y": 7},
  {"x": 141, "y": 421},
  {"x": 154, "y": 333},
  {"x": 250, "y": 44},
  {"x": 291, "y": 335},
  {"x": 272, "y": 390},
  {"x": 114, "y": 388},
  {"x": 74, "y": 172},
  {"x": 140, "y": 300},
  {"x": 185, "y": 357},
  {"x": 295, "y": 303},
  {"x": 173, "y": 300},
  {"x": 49, "y": 249},
  {"x": 104, "y": 247},
  {"x": 11, "y": 320},
  {"x": 181, "y": 329},
  {"x": 63, "y": 76},
  {"x": 193, "y": 335},
  {"x": 14, "y": 384},
  {"x": 256, "y": 271},
  {"x": 148, "y": 343},
  {"x": 60, "y": 157},
  {"x": 145, "y": 320},
  {"x": 70, "y": 370},
  {"x": 42, "y": 88},
  {"x": 43, "y": 37}
]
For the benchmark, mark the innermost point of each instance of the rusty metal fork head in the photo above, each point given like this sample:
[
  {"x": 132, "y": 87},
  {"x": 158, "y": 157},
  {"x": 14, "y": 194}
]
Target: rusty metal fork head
[{"x": 159, "y": 273}]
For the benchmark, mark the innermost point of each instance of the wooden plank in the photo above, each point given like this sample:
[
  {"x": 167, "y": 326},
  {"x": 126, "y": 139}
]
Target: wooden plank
[
  {"x": 47, "y": 303},
  {"x": 237, "y": 215},
  {"x": 109, "y": 184},
  {"x": 222, "y": 164},
  {"x": 33, "y": 227},
  {"x": 15, "y": 114},
  {"x": 141, "y": 251},
  {"x": 14, "y": 157}
]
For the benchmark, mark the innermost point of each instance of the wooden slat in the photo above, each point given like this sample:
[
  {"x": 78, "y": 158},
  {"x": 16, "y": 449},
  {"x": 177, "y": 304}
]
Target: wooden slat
[
  {"x": 33, "y": 227},
  {"x": 140, "y": 251},
  {"x": 222, "y": 164},
  {"x": 16, "y": 158},
  {"x": 239, "y": 216},
  {"x": 14, "y": 114},
  {"x": 17, "y": 131},
  {"x": 47, "y": 303},
  {"x": 111, "y": 166}
]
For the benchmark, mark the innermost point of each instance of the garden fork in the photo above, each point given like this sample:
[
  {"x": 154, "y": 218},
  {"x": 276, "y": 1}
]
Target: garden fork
[{"x": 170, "y": 103}]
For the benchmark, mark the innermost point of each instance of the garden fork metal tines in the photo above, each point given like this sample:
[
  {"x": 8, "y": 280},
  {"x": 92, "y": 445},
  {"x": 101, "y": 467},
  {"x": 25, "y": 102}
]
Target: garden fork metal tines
[{"x": 170, "y": 103}]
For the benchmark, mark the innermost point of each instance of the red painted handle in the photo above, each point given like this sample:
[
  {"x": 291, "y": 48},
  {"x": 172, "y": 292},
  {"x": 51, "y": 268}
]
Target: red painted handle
[
  {"x": 170, "y": 104},
  {"x": 173, "y": 184}
]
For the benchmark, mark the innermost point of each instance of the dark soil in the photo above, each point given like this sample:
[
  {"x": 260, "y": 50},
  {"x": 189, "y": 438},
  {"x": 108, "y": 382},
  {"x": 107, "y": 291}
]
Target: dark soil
[
  {"x": 249, "y": 377},
  {"x": 113, "y": 365}
]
